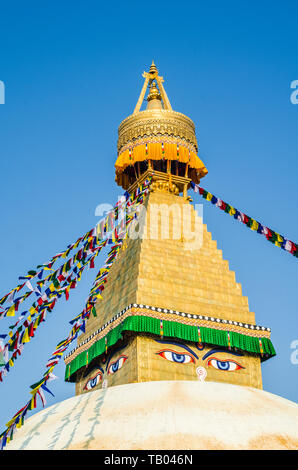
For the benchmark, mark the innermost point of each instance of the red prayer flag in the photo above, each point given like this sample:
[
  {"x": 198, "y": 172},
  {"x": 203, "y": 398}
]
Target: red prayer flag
[
  {"x": 66, "y": 294},
  {"x": 269, "y": 233},
  {"x": 16, "y": 340},
  {"x": 31, "y": 330},
  {"x": 245, "y": 219}
]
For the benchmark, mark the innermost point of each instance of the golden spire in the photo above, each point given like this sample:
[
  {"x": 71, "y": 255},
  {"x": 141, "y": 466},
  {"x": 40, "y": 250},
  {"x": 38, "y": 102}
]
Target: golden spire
[
  {"x": 157, "y": 133},
  {"x": 153, "y": 68},
  {"x": 149, "y": 77}
]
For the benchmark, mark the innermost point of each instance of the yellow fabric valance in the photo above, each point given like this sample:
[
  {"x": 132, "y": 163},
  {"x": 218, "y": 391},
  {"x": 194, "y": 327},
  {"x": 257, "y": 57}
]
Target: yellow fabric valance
[{"x": 159, "y": 151}]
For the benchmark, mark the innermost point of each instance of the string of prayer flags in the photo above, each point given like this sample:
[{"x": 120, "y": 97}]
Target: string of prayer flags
[
  {"x": 100, "y": 280},
  {"x": 53, "y": 292},
  {"x": 91, "y": 238},
  {"x": 99, "y": 232},
  {"x": 38, "y": 388},
  {"x": 271, "y": 235},
  {"x": 78, "y": 324},
  {"x": 26, "y": 331}
]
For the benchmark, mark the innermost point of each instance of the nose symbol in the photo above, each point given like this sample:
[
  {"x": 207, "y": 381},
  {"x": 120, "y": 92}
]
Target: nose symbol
[{"x": 201, "y": 373}]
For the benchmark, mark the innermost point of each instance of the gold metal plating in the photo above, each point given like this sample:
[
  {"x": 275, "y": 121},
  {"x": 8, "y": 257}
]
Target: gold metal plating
[
  {"x": 155, "y": 270},
  {"x": 155, "y": 122}
]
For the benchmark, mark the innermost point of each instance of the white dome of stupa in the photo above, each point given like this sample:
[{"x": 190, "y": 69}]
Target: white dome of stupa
[{"x": 164, "y": 415}]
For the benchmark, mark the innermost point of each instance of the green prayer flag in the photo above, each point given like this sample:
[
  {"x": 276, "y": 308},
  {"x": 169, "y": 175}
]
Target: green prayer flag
[{"x": 94, "y": 312}]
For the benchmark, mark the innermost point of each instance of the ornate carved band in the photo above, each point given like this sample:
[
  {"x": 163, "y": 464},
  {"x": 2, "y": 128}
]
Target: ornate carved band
[{"x": 156, "y": 122}]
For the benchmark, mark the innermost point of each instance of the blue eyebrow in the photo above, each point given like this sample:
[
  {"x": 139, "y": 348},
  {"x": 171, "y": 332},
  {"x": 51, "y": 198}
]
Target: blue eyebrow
[
  {"x": 95, "y": 368},
  {"x": 212, "y": 351},
  {"x": 177, "y": 344}
]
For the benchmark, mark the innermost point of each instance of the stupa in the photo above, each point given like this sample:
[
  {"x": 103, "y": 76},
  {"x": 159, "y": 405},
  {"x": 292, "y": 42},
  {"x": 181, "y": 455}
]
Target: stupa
[{"x": 172, "y": 360}]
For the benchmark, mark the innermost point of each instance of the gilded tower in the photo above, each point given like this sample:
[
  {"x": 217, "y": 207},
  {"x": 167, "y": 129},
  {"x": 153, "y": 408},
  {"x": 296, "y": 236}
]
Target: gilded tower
[{"x": 171, "y": 309}]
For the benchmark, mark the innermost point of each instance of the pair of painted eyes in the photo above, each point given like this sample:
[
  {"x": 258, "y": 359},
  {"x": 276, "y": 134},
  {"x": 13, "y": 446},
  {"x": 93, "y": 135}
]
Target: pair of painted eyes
[
  {"x": 187, "y": 358},
  {"x": 113, "y": 367}
]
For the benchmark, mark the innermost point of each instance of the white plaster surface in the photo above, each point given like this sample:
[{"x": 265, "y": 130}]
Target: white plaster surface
[{"x": 164, "y": 415}]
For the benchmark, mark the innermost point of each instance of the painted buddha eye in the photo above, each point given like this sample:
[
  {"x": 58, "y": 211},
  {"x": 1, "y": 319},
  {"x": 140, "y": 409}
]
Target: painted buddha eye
[
  {"x": 115, "y": 366},
  {"x": 173, "y": 356},
  {"x": 224, "y": 365},
  {"x": 93, "y": 382}
]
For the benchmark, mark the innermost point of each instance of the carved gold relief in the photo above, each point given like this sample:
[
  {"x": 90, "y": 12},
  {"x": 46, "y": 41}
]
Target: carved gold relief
[
  {"x": 156, "y": 122},
  {"x": 165, "y": 187}
]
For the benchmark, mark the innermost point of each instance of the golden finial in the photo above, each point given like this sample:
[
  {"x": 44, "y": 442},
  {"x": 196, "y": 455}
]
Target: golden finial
[
  {"x": 153, "y": 68},
  {"x": 154, "y": 97},
  {"x": 153, "y": 93},
  {"x": 149, "y": 77}
]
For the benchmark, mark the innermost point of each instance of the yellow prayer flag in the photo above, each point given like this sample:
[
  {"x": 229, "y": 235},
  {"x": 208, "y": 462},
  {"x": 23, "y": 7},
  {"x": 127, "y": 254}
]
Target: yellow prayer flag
[
  {"x": 254, "y": 225},
  {"x": 9, "y": 423},
  {"x": 34, "y": 391},
  {"x": 76, "y": 244},
  {"x": 26, "y": 337},
  {"x": 11, "y": 311},
  {"x": 279, "y": 240},
  {"x": 32, "y": 403}
]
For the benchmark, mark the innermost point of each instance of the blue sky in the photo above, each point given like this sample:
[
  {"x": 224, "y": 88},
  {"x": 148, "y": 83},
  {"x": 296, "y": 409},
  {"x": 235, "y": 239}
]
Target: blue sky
[{"x": 72, "y": 72}]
